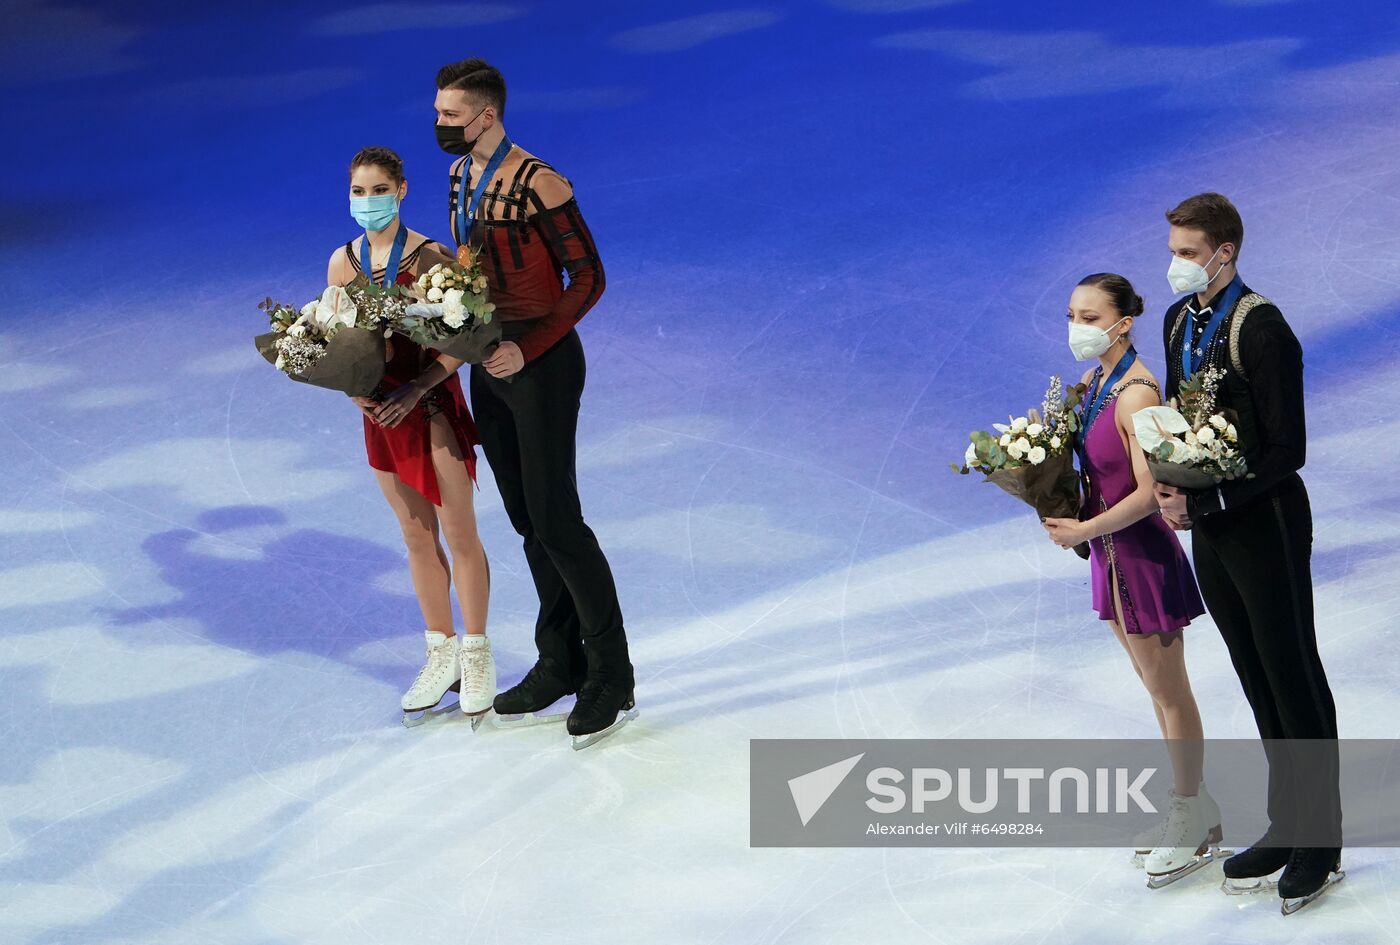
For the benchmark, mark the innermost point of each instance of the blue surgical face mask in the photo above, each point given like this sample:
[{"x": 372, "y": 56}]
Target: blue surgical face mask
[{"x": 376, "y": 212}]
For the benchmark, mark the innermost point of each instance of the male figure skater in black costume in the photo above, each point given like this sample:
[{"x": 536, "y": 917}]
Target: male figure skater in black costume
[{"x": 1252, "y": 544}]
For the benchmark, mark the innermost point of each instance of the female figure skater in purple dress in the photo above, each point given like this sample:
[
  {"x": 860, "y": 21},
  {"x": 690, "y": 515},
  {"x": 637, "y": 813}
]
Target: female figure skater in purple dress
[{"x": 1143, "y": 586}]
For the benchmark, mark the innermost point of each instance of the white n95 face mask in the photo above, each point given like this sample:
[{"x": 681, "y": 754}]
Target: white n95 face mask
[
  {"x": 1090, "y": 341},
  {"x": 1187, "y": 276}
]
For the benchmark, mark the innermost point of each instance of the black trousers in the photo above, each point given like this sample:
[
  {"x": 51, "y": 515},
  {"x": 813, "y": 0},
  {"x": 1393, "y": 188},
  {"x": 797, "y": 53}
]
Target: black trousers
[
  {"x": 528, "y": 429},
  {"x": 1253, "y": 563}
]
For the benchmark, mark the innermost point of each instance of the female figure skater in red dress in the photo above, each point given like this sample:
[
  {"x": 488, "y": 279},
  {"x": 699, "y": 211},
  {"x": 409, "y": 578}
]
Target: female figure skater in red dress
[{"x": 421, "y": 442}]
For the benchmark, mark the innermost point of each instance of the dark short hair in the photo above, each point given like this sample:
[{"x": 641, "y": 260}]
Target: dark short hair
[
  {"x": 1124, "y": 297},
  {"x": 1214, "y": 215},
  {"x": 379, "y": 157},
  {"x": 479, "y": 79}
]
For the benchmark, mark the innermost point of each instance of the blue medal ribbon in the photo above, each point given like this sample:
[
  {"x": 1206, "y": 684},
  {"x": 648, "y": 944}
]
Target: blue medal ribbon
[
  {"x": 1193, "y": 356},
  {"x": 391, "y": 268},
  {"x": 466, "y": 216},
  {"x": 1098, "y": 396}
]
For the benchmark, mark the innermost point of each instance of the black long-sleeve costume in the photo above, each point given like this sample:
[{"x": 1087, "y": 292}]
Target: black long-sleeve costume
[{"x": 1252, "y": 547}]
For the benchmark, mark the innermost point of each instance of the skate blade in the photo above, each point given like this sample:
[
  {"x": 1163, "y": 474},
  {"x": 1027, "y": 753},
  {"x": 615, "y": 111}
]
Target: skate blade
[
  {"x": 477, "y": 717},
  {"x": 412, "y": 718},
  {"x": 526, "y": 719},
  {"x": 1247, "y": 886},
  {"x": 581, "y": 742},
  {"x": 1290, "y": 906},
  {"x": 1200, "y": 860}
]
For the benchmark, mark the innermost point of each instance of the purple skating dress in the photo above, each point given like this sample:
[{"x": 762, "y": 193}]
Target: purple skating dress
[{"x": 1159, "y": 592}]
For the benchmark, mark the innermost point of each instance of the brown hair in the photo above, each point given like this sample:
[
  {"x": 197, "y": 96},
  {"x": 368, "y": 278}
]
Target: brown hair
[
  {"x": 1215, "y": 216},
  {"x": 379, "y": 157},
  {"x": 479, "y": 79}
]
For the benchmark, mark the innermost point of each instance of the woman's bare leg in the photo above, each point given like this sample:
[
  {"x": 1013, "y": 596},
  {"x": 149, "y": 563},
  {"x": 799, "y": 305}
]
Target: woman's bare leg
[
  {"x": 457, "y": 516},
  {"x": 1160, "y": 659},
  {"x": 1163, "y": 660},
  {"x": 1118, "y": 632},
  {"x": 427, "y": 562}
]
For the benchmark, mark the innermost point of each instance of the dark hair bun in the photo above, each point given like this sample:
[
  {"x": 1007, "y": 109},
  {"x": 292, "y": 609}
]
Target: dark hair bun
[{"x": 1125, "y": 300}]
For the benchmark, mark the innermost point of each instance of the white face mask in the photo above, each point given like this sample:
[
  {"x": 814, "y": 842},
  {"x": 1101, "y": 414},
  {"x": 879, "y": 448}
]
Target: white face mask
[
  {"x": 1187, "y": 276},
  {"x": 1090, "y": 341}
]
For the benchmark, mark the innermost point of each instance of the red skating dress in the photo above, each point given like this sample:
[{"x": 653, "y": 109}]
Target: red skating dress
[{"x": 405, "y": 450}]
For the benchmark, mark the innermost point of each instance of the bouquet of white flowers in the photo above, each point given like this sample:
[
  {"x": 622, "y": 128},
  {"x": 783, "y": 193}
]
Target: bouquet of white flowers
[
  {"x": 336, "y": 341},
  {"x": 454, "y": 316},
  {"x": 1189, "y": 443},
  {"x": 1031, "y": 457}
]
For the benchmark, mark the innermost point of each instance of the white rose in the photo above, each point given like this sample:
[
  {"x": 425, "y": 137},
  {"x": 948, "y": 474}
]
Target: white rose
[
  {"x": 309, "y": 309},
  {"x": 1025, "y": 444},
  {"x": 1036, "y": 455},
  {"x": 1034, "y": 430},
  {"x": 970, "y": 457},
  {"x": 1019, "y": 424},
  {"x": 1218, "y": 422},
  {"x": 1015, "y": 450},
  {"x": 1180, "y": 452},
  {"x": 1207, "y": 435},
  {"x": 1005, "y": 440},
  {"x": 1190, "y": 438},
  {"x": 1230, "y": 433},
  {"x": 434, "y": 294},
  {"x": 454, "y": 314},
  {"x": 1055, "y": 442},
  {"x": 438, "y": 280}
]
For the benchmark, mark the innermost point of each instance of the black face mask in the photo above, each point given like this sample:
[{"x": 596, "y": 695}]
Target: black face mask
[{"x": 450, "y": 137}]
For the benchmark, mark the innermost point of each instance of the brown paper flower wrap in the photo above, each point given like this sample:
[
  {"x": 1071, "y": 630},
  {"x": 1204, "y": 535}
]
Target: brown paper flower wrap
[
  {"x": 1052, "y": 489},
  {"x": 353, "y": 361}
]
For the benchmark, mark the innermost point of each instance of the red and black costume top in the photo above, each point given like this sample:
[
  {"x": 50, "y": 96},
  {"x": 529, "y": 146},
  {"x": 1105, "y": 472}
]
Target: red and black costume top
[{"x": 526, "y": 248}]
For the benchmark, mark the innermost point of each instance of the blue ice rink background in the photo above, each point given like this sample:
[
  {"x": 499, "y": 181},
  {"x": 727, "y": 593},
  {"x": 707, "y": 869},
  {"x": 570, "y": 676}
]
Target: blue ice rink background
[{"x": 837, "y": 237}]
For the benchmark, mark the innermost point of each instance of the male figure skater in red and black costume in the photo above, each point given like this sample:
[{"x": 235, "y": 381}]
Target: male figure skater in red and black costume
[{"x": 520, "y": 214}]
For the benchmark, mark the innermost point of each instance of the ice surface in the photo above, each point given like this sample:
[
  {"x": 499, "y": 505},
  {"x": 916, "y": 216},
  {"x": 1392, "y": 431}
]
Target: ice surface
[{"x": 831, "y": 252}]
